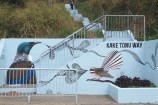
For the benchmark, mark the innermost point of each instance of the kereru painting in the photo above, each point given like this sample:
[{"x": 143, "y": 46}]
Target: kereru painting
[{"x": 22, "y": 60}]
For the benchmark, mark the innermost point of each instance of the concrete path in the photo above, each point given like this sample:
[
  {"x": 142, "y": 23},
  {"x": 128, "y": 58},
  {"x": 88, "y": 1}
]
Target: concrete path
[{"x": 69, "y": 100}]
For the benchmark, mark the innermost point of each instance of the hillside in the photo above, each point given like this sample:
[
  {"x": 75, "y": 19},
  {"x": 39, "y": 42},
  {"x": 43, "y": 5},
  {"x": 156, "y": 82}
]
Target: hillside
[
  {"x": 95, "y": 8},
  {"x": 35, "y": 18}
]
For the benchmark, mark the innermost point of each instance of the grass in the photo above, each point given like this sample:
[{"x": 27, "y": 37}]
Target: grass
[
  {"x": 88, "y": 9},
  {"x": 152, "y": 37},
  {"x": 37, "y": 19}
]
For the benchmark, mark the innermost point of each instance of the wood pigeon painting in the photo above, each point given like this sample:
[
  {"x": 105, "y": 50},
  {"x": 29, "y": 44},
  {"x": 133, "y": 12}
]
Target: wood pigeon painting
[{"x": 22, "y": 60}]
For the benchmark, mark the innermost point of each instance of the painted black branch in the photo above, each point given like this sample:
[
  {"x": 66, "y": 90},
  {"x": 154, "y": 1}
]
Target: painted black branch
[{"x": 101, "y": 81}]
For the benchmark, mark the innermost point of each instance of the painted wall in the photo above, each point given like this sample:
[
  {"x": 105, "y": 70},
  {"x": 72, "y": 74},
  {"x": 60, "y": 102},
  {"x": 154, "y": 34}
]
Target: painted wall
[
  {"x": 151, "y": 57},
  {"x": 131, "y": 66},
  {"x": 133, "y": 62},
  {"x": 133, "y": 95},
  {"x": 10, "y": 50},
  {"x": 11, "y": 45},
  {"x": 2, "y": 41}
]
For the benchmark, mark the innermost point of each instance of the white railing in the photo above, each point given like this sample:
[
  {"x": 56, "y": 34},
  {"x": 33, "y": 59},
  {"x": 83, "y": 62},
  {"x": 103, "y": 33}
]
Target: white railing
[
  {"x": 126, "y": 27},
  {"x": 72, "y": 46},
  {"x": 117, "y": 25},
  {"x": 17, "y": 82}
]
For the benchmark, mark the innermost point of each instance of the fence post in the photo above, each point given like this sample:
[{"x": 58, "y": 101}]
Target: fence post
[
  {"x": 104, "y": 26},
  {"x": 84, "y": 32},
  {"x": 128, "y": 23},
  {"x": 28, "y": 99},
  {"x": 144, "y": 30}
]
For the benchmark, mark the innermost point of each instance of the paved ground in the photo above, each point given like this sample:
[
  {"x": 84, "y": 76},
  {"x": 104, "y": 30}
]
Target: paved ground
[{"x": 82, "y": 100}]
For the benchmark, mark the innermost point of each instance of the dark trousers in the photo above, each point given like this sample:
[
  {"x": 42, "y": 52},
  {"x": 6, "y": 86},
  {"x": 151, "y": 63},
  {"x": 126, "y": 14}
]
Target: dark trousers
[{"x": 72, "y": 7}]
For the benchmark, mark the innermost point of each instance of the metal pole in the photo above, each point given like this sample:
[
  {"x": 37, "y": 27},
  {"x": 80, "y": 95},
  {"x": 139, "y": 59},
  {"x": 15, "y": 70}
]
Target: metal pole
[
  {"x": 105, "y": 26},
  {"x": 134, "y": 18},
  {"x": 144, "y": 30},
  {"x": 73, "y": 46},
  {"x": 76, "y": 86},
  {"x": 84, "y": 32},
  {"x": 128, "y": 23},
  {"x": 28, "y": 99}
]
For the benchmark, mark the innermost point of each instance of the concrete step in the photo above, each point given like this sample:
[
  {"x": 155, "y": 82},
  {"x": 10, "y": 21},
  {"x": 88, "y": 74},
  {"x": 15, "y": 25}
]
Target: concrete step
[
  {"x": 85, "y": 21},
  {"x": 94, "y": 26},
  {"x": 68, "y": 7},
  {"x": 73, "y": 13},
  {"x": 118, "y": 35},
  {"x": 78, "y": 17}
]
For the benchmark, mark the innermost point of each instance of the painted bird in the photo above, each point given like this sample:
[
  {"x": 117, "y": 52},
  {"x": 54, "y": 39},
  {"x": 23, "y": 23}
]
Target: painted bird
[
  {"x": 111, "y": 62},
  {"x": 71, "y": 76},
  {"x": 22, "y": 60}
]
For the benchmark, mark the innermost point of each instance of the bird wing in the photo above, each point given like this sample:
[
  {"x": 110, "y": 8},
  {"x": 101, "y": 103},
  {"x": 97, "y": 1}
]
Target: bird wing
[
  {"x": 106, "y": 74},
  {"x": 102, "y": 73},
  {"x": 79, "y": 69},
  {"x": 17, "y": 74},
  {"x": 23, "y": 64}
]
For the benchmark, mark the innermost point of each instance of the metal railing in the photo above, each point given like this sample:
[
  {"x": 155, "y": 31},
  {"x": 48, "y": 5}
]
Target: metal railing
[
  {"x": 114, "y": 26},
  {"x": 133, "y": 24},
  {"x": 72, "y": 46},
  {"x": 27, "y": 82}
]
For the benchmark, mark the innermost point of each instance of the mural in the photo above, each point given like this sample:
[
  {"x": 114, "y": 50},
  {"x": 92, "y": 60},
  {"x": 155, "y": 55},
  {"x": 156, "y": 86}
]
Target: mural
[
  {"x": 22, "y": 60},
  {"x": 82, "y": 47},
  {"x": 112, "y": 61},
  {"x": 71, "y": 76},
  {"x": 101, "y": 65},
  {"x": 137, "y": 58},
  {"x": 84, "y": 44}
]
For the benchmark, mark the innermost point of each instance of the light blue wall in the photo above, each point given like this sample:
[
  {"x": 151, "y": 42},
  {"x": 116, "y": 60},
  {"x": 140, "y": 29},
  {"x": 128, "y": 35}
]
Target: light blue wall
[
  {"x": 2, "y": 41},
  {"x": 131, "y": 67},
  {"x": 11, "y": 45},
  {"x": 148, "y": 72},
  {"x": 133, "y": 95}
]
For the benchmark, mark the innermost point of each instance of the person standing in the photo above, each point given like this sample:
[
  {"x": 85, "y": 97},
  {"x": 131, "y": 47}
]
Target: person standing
[{"x": 72, "y": 4}]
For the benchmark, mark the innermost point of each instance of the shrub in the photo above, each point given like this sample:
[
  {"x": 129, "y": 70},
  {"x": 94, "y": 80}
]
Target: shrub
[
  {"x": 125, "y": 82},
  {"x": 16, "y": 3}
]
